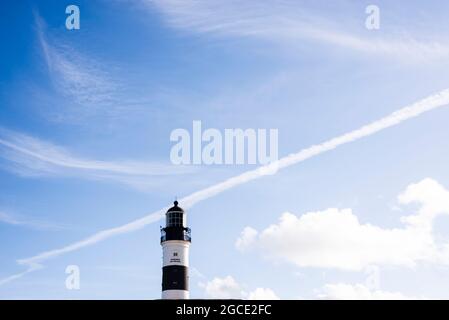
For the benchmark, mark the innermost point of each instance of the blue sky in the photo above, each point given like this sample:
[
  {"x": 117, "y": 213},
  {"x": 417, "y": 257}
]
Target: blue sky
[{"x": 85, "y": 121}]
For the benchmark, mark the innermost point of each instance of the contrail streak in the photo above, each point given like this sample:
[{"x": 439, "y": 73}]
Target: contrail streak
[
  {"x": 31, "y": 268},
  {"x": 430, "y": 103}
]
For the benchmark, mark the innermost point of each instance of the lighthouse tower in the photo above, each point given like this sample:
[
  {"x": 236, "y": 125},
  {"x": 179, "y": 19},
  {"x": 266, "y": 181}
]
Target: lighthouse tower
[{"x": 175, "y": 242}]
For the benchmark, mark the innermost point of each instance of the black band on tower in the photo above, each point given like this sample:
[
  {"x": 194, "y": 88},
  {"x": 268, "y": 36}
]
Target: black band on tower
[{"x": 175, "y": 278}]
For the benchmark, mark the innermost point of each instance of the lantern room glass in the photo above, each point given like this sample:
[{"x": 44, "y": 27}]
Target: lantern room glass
[{"x": 176, "y": 219}]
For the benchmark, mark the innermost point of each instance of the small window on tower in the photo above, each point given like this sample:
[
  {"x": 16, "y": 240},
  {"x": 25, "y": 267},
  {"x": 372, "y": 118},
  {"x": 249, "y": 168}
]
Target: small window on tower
[{"x": 175, "y": 254}]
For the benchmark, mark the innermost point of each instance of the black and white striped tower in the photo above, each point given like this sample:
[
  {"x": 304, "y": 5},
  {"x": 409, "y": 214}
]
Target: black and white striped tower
[{"x": 175, "y": 242}]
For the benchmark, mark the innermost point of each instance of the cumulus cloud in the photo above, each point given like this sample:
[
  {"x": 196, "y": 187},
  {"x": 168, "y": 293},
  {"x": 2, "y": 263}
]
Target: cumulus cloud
[
  {"x": 434, "y": 201},
  {"x": 335, "y": 238},
  {"x": 262, "y": 294},
  {"x": 343, "y": 291},
  {"x": 229, "y": 288},
  {"x": 223, "y": 288},
  {"x": 246, "y": 238}
]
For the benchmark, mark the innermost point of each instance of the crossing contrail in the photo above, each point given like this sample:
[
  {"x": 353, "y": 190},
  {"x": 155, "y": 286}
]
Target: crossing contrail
[{"x": 430, "y": 103}]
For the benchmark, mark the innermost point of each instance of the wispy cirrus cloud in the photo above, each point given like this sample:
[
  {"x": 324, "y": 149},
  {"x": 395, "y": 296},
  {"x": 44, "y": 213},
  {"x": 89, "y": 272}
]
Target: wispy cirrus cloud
[
  {"x": 291, "y": 23},
  {"x": 30, "y": 156},
  {"x": 22, "y": 221},
  {"x": 87, "y": 85}
]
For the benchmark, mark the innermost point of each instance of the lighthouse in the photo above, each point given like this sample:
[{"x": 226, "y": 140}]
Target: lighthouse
[{"x": 175, "y": 242}]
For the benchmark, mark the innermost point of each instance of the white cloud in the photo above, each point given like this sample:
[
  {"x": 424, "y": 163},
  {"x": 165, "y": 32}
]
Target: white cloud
[
  {"x": 291, "y": 22},
  {"x": 433, "y": 198},
  {"x": 7, "y": 218},
  {"x": 335, "y": 238},
  {"x": 81, "y": 79},
  {"x": 86, "y": 85},
  {"x": 195, "y": 273},
  {"x": 30, "y": 156},
  {"x": 229, "y": 288},
  {"x": 78, "y": 77},
  {"x": 262, "y": 294},
  {"x": 246, "y": 238},
  {"x": 343, "y": 291},
  {"x": 16, "y": 220},
  {"x": 223, "y": 288}
]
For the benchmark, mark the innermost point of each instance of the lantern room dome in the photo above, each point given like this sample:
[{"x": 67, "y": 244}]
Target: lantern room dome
[{"x": 175, "y": 208}]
